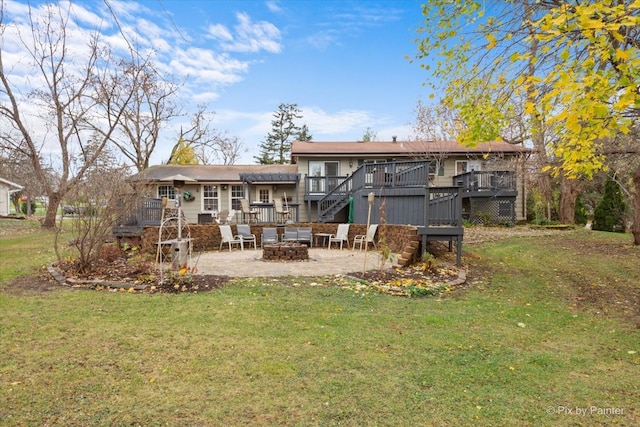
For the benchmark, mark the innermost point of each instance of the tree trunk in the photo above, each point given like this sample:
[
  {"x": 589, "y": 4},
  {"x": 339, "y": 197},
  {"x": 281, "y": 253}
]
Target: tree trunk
[
  {"x": 569, "y": 190},
  {"x": 52, "y": 210},
  {"x": 635, "y": 228}
]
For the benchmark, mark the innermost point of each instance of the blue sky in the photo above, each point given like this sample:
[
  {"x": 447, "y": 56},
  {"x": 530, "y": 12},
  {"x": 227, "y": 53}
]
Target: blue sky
[{"x": 343, "y": 63}]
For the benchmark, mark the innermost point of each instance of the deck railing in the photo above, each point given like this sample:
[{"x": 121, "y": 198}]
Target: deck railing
[
  {"x": 486, "y": 181},
  {"x": 412, "y": 173}
]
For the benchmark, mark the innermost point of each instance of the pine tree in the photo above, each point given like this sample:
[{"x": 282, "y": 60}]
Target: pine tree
[
  {"x": 609, "y": 215},
  {"x": 276, "y": 148}
]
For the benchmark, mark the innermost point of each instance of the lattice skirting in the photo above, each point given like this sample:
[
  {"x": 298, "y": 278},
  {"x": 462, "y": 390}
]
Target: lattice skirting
[{"x": 492, "y": 211}]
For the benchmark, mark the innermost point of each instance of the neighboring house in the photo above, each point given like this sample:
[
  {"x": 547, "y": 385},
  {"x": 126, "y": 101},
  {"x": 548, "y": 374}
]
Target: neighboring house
[
  {"x": 7, "y": 188},
  {"x": 491, "y": 175},
  {"x": 210, "y": 189}
]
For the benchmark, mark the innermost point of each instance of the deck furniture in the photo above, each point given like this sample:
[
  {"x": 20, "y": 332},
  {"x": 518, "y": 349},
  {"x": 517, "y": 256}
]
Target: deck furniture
[
  {"x": 366, "y": 238},
  {"x": 341, "y": 235},
  {"x": 244, "y": 231},
  {"x": 228, "y": 237}
]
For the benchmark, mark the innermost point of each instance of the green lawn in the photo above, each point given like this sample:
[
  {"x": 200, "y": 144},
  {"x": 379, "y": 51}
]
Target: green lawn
[{"x": 517, "y": 348}]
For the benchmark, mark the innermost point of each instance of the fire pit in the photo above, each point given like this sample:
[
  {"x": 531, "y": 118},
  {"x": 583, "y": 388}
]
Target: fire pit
[{"x": 285, "y": 251}]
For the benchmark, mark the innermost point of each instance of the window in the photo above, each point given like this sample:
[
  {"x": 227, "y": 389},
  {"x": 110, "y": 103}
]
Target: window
[
  {"x": 210, "y": 198},
  {"x": 166, "y": 191},
  {"x": 461, "y": 167},
  {"x": 264, "y": 195},
  {"x": 237, "y": 193}
]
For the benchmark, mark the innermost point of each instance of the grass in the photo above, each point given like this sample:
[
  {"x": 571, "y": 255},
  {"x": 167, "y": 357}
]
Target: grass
[{"x": 513, "y": 350}]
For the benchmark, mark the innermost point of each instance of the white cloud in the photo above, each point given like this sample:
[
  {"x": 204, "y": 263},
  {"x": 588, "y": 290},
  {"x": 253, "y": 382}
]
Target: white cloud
[
  {"x": 274, "y": 6},
  {"x": 220, "y": 32},
  {"x": 250, "y": 36}
]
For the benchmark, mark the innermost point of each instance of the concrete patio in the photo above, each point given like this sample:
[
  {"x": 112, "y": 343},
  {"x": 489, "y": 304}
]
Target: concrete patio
[{"x": 322, "y": 262}]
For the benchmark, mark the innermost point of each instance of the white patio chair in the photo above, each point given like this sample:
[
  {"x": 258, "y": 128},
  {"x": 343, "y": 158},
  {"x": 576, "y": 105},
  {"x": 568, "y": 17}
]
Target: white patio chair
[
  {"x": 222, "y": 216},
  {"x": 244, "y": 231},
  {"x": 232, "y": 214},
  {"x": 366, "y": 238},
  {"x": 228, "y": 237},
  {"x": 341, "y": 236}
]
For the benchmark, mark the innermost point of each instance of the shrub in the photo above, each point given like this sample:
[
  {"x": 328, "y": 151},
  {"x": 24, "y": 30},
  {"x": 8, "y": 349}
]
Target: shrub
[
  {"x": 609, "y": 215},
  {"x": 23, "y": 207},
  {"x": 580, "y": 214}
]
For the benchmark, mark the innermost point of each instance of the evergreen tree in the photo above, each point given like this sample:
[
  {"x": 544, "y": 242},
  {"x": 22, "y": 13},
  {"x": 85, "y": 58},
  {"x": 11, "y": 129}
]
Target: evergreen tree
[
  {"x": 304, "y": 134},
  {"x": 275, "y": 149},
  {"x": 609, "y": 215}
]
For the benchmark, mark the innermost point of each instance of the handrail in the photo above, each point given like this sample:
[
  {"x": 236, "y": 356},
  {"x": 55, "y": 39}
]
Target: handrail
[{"x": 375, "y": 175}]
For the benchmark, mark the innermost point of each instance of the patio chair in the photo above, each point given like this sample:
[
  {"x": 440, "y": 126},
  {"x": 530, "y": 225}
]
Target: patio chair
[
  {"x": 250, "y": 213},
  {"x": 282, "y": 214},
  {"x": 222, "y": 216},
  {"x": 366, "y": 238},
  {"x": 269, "y": 235},
  {"x": 228, "y": 237},
  {"x": 232, "y": 213},
  {"x": 244, "y": 231},
  {"x": 341, "y": 235},
  {"x": 290, "y": 234},
  {"x": 305, "y": 235}
]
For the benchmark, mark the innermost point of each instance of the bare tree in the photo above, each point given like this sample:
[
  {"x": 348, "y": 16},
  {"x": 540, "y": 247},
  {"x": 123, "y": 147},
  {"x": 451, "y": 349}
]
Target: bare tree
[
  {"x": 144, "y": 103},
  {"x": 70, "y": 91},
  {"x": 210, "y": 144}
]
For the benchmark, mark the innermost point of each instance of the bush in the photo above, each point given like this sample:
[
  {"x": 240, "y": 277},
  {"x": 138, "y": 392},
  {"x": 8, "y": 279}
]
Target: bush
[
  {"x": 580, "y": 214},
  {"x": 609, "y": 215},
  {"x": 23, "y": 207}
]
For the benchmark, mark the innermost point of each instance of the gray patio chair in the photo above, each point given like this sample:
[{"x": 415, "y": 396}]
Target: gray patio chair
[
  {"x": 269, "y": 235},
  {"x": 290, "y": 234},
  {"x": 366, "y": 238},
  {"x": 305, "y": 235},
  {"x": 244, "y": 231},
  {"x": 228, "y": 237},
  {"x": 341, "y": 235}
]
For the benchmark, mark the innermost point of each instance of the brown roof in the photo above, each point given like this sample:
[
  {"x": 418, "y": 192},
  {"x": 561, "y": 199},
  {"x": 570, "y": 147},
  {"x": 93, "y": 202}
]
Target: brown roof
[
  {"x": 212, "y": 173},
  {"x": 406, "y": 148}
]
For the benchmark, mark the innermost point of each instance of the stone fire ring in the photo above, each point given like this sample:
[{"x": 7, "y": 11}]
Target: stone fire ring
[{"x": 285, "y": 251}]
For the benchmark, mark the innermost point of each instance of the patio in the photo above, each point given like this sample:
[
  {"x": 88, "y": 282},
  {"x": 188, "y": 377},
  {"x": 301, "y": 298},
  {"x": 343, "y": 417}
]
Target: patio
[{"x": 322, "y": 262}]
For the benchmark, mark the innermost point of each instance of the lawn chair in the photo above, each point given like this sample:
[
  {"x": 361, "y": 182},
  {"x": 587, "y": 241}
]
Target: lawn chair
[
  {"x": 230, "y": 216},
  {"x": 282, "y": 214},
  {"x": 341, "y": 236},
  {"x": 250, "y": 213},
  {"x": 228, "y": 237},
  {"x": 222, "y": 216},
  {"x": 290, "y": 234},
  {"x": 305, "y": 235},
  {"x": 269, "y": 235},
  {"x": 366, "y": 238},
  {"x": 244, "y": 231}
]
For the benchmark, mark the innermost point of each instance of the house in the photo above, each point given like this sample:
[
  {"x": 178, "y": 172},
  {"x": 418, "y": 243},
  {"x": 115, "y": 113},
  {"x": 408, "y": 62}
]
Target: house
[
  {"x": 207, "y": 190},
  {"x": 490, "y": 175},
  {"x": 7, "y": 188}
]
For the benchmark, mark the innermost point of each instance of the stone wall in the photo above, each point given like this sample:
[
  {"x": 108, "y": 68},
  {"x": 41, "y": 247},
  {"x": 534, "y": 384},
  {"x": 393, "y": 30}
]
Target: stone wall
[{"x": 206, "y": 237}]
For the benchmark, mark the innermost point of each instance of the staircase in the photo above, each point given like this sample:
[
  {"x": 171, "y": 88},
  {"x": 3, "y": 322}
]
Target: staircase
[{"x": 413, "y": 173}]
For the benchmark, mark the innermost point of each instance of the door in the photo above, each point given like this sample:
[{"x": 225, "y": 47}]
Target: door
[{"x": 323, "y": 176}]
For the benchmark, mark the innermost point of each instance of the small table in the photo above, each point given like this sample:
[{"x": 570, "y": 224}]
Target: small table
[{"x": 325, "y": 237}]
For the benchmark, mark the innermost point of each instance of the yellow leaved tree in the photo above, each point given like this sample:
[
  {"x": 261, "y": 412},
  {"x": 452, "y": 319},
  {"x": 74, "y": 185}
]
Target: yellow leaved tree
[
  {"x": 183, "y": 154},
  {"x": 564, "y": 74}
]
